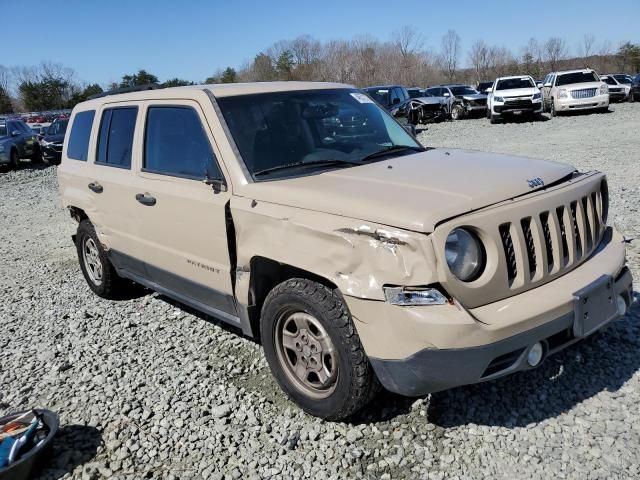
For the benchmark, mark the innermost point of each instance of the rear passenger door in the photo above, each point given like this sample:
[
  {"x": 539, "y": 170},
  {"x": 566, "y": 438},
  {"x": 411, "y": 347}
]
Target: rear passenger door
[
  {"x": 110, "y": 179},
  {"x": 179, "y": 216}
]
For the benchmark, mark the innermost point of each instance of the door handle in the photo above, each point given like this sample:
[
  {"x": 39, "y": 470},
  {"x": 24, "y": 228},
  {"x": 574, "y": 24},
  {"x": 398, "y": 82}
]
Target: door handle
[
  {"x": 146, "y": 199},
  {"x": 95, "y": 187}
]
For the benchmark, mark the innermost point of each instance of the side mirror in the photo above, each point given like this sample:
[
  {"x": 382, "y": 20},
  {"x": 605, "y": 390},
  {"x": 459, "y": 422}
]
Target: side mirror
[
  {"x": 488, "y": 90},
  {"x": 539, "y": 85},
  {"x": 15, "y": 133},
  {"x": 548, "y": 84},
  {"x": 446, "y": 94}
]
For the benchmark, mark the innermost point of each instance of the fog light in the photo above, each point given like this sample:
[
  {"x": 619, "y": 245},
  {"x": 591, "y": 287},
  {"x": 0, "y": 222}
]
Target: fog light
[
  {"x": 622, "y": 306},
  {"x": 534, "y": 357}
]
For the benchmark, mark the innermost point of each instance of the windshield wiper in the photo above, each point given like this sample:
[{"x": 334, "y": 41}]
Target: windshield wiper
[
  {"x": 392, "y": 149},
  {"x": 266, "y": 171}
]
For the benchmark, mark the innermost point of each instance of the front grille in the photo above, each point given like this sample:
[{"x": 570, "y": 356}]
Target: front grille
[
  {"x": 584, "y": 93},
  {"x": 518, "y": 102},
  {"x": 615, "y": 90},
  {"x": 552, "y": 241}
]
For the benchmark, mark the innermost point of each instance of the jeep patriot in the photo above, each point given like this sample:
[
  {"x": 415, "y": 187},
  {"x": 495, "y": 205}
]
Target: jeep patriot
[{"x": 305, "y": 215}]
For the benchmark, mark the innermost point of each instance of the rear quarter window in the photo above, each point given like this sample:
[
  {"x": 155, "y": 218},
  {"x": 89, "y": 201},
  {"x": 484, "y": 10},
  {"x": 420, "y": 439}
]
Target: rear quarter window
[{"x": 78, "y": 147}]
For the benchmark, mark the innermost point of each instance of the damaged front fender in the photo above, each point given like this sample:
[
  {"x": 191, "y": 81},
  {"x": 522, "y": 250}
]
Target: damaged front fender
[{"x": 358, "y": 257}]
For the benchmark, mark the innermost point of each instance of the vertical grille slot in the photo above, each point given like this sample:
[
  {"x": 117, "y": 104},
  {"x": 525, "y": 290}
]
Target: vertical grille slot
[
  {"x": 531, "y": 249},
  {"x": 509, "y": 252},
  {"x": 596, "y": 218},
  {"x": 563, "y": 234},
  {"x": 544, "y": 220},
  {"x": 573, "y": 206},
  {"x": 588, "y": 233}
]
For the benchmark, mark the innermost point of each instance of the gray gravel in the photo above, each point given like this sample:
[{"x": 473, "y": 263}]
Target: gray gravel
[{"x": 146, "y": 389}]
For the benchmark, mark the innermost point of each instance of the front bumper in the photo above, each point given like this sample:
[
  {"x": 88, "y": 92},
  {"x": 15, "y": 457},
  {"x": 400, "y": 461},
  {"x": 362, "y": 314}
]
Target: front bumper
[
  {"x": 532, "y": 107},
  {"x": 568, "y": 104},
  {"x": 50, "y": 152},
  {"x": 419, "y": 350}
]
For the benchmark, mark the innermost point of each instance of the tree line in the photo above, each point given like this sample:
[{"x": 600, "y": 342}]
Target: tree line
[{"x": 361, "y": 61}]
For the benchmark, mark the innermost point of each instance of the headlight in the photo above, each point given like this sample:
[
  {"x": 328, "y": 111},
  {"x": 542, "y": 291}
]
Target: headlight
[
  {"x": 604, "y": 89},
  {"x": 464, "y": 254},
  {"x": 562, "y": 93},
  {"x": 498, "y": 99},
  {"x": 414, "y": 296},
  {"x": 537, "y": 96},
  {"x": 44, "y": 143}
]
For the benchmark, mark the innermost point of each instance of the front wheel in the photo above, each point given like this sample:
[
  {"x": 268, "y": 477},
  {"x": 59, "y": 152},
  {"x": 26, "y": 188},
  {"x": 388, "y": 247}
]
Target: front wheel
[
  {"x": 14, "y": 159},
  {"x": 493, "y": 119},
  {"x": 314, "y": 351},
  {"x": 631, "y": 97},
  {"x": 457, "y": 112},
  {"x": 552, "y": 108}
]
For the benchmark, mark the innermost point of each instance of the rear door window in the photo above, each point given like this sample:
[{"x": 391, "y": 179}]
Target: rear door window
[
  {"x": 78, "y": 146},
  {"x": 176, "y": 144},
  {"x": 115, "y": 139}
]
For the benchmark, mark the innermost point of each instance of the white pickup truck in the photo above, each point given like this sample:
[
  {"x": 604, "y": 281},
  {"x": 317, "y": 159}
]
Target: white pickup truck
[{"x": 517, "y": 95}]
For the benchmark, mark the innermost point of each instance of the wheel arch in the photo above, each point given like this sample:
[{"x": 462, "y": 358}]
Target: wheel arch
[{"x": 265, "y": 274}]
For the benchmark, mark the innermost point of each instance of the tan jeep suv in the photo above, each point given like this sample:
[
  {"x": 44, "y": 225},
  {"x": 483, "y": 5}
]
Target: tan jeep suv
[{"x": 306, "y": 216}]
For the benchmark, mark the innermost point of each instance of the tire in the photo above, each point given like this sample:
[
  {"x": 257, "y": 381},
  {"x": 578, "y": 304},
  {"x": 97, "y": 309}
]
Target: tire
[
  {"x": 14, "y": 159},
  {"x": 96, "y": 267},
  {"x": 36, "y": 157},
  {"x": 552, "y": 109},
  {"x": 632, "y": 97},
  {"x": 310, "y": 317},
  {"x": 603, "y": 110},
  {"x": 493, "y": 119},
  {"x": 457, "y": 112}
]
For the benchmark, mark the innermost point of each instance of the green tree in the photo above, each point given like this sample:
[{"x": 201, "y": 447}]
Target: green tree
[
  {"x": 284, "y": 65},
  {"x": 229, "y": 76},
  {"x": 628, "y": 57},
  {"x": 262, "y": 68},
  {"x": 85, "y": 94},
  {"x": 212, "y": 79},
  {"x": 141, "y": 78},
  {"x": 177, "y": 82},
  {"x": 5, "y": 101},
  {"x": 50, "y": 93}
]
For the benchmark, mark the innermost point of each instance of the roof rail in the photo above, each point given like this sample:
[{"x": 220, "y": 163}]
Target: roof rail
[{"x": 136, "y": 88}]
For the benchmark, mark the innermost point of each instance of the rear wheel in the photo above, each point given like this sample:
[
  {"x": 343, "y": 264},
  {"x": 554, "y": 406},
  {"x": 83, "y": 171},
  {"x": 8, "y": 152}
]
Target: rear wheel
[
  {"x": 314, "y": 351},
  {"x": 96, "y": 267}
]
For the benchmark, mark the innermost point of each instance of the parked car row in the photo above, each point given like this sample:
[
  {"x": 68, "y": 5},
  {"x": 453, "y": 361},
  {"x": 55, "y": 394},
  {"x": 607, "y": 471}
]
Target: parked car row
[{"x": 558, "y": 92}]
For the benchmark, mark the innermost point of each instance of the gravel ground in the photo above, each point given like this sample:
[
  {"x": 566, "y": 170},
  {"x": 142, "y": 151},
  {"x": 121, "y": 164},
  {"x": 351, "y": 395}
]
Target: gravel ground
[{"x": 146, "y": 389}]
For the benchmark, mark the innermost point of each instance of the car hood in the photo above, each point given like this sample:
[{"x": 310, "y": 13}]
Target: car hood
[
  {"x": 580, "y": 86},
  {"x": 431, "y": 100},
  {"x": 414, "y": 192},
  {"x": 473, "y": 96},
  {"x": 516, "y": 92},
  {"x": 53, "y": 138}
]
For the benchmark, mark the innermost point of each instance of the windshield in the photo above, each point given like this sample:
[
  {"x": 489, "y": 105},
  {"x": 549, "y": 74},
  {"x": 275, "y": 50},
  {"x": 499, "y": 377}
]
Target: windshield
[
  {"x": 280, "y": 132},
  {"x": 463, "y": 90},
  {"x": 610, "y": 81},
  {"x": 58, "y": 127},
  {"x": 417, "y": 93},
  {"x": 380, "y": 95},
  {"x": 3, "y": 130},
  {"x": 623, "y": 79},
  {"x": 513, "y": 83},
  {"x": 576, "y": 77}
]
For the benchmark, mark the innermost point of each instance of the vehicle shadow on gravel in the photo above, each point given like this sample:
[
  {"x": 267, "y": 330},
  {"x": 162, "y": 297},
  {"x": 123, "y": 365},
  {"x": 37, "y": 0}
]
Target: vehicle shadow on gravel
[
  {"x": 602, "y": 362},
  {"x": 74, "y": 445},
  {"x": 517, "y": 119}
]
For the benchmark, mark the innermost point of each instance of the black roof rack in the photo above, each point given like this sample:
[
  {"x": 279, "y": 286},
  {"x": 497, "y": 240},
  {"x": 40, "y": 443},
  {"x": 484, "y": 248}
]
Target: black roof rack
[{"x": 137, "y": 88}]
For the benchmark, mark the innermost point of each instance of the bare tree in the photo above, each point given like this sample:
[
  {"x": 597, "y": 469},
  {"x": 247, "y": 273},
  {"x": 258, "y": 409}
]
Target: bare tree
[
  {"x": 450, "y": 53},
  {"x": 555, "y": 50},
  {"x": 586, "y": 48},
  {"x": 408, "y": 41},
  {"x": 5, "y": 78},
  {"x": 479, "y": 60}
]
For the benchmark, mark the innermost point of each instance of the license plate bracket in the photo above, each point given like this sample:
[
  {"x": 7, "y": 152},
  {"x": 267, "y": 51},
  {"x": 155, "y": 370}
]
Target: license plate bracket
[{"x": 594, "y": 305}]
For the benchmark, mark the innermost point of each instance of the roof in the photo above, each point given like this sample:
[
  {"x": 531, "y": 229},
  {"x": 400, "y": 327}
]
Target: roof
[
  {"x": 383, "y": 86},
  {"x": 513, "y": 76},
  {"x": 577, "y": 70}
]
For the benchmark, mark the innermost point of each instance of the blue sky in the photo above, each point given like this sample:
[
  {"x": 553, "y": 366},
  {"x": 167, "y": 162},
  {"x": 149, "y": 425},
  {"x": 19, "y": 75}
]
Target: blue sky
[{"x": 102, "y": 41}]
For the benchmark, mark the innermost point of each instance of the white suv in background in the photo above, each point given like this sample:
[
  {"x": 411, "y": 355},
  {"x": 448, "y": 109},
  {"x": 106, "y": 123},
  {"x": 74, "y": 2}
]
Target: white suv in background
[
  {"x": 517, "y": 95},
  {"x": 574, "y": 90}
]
